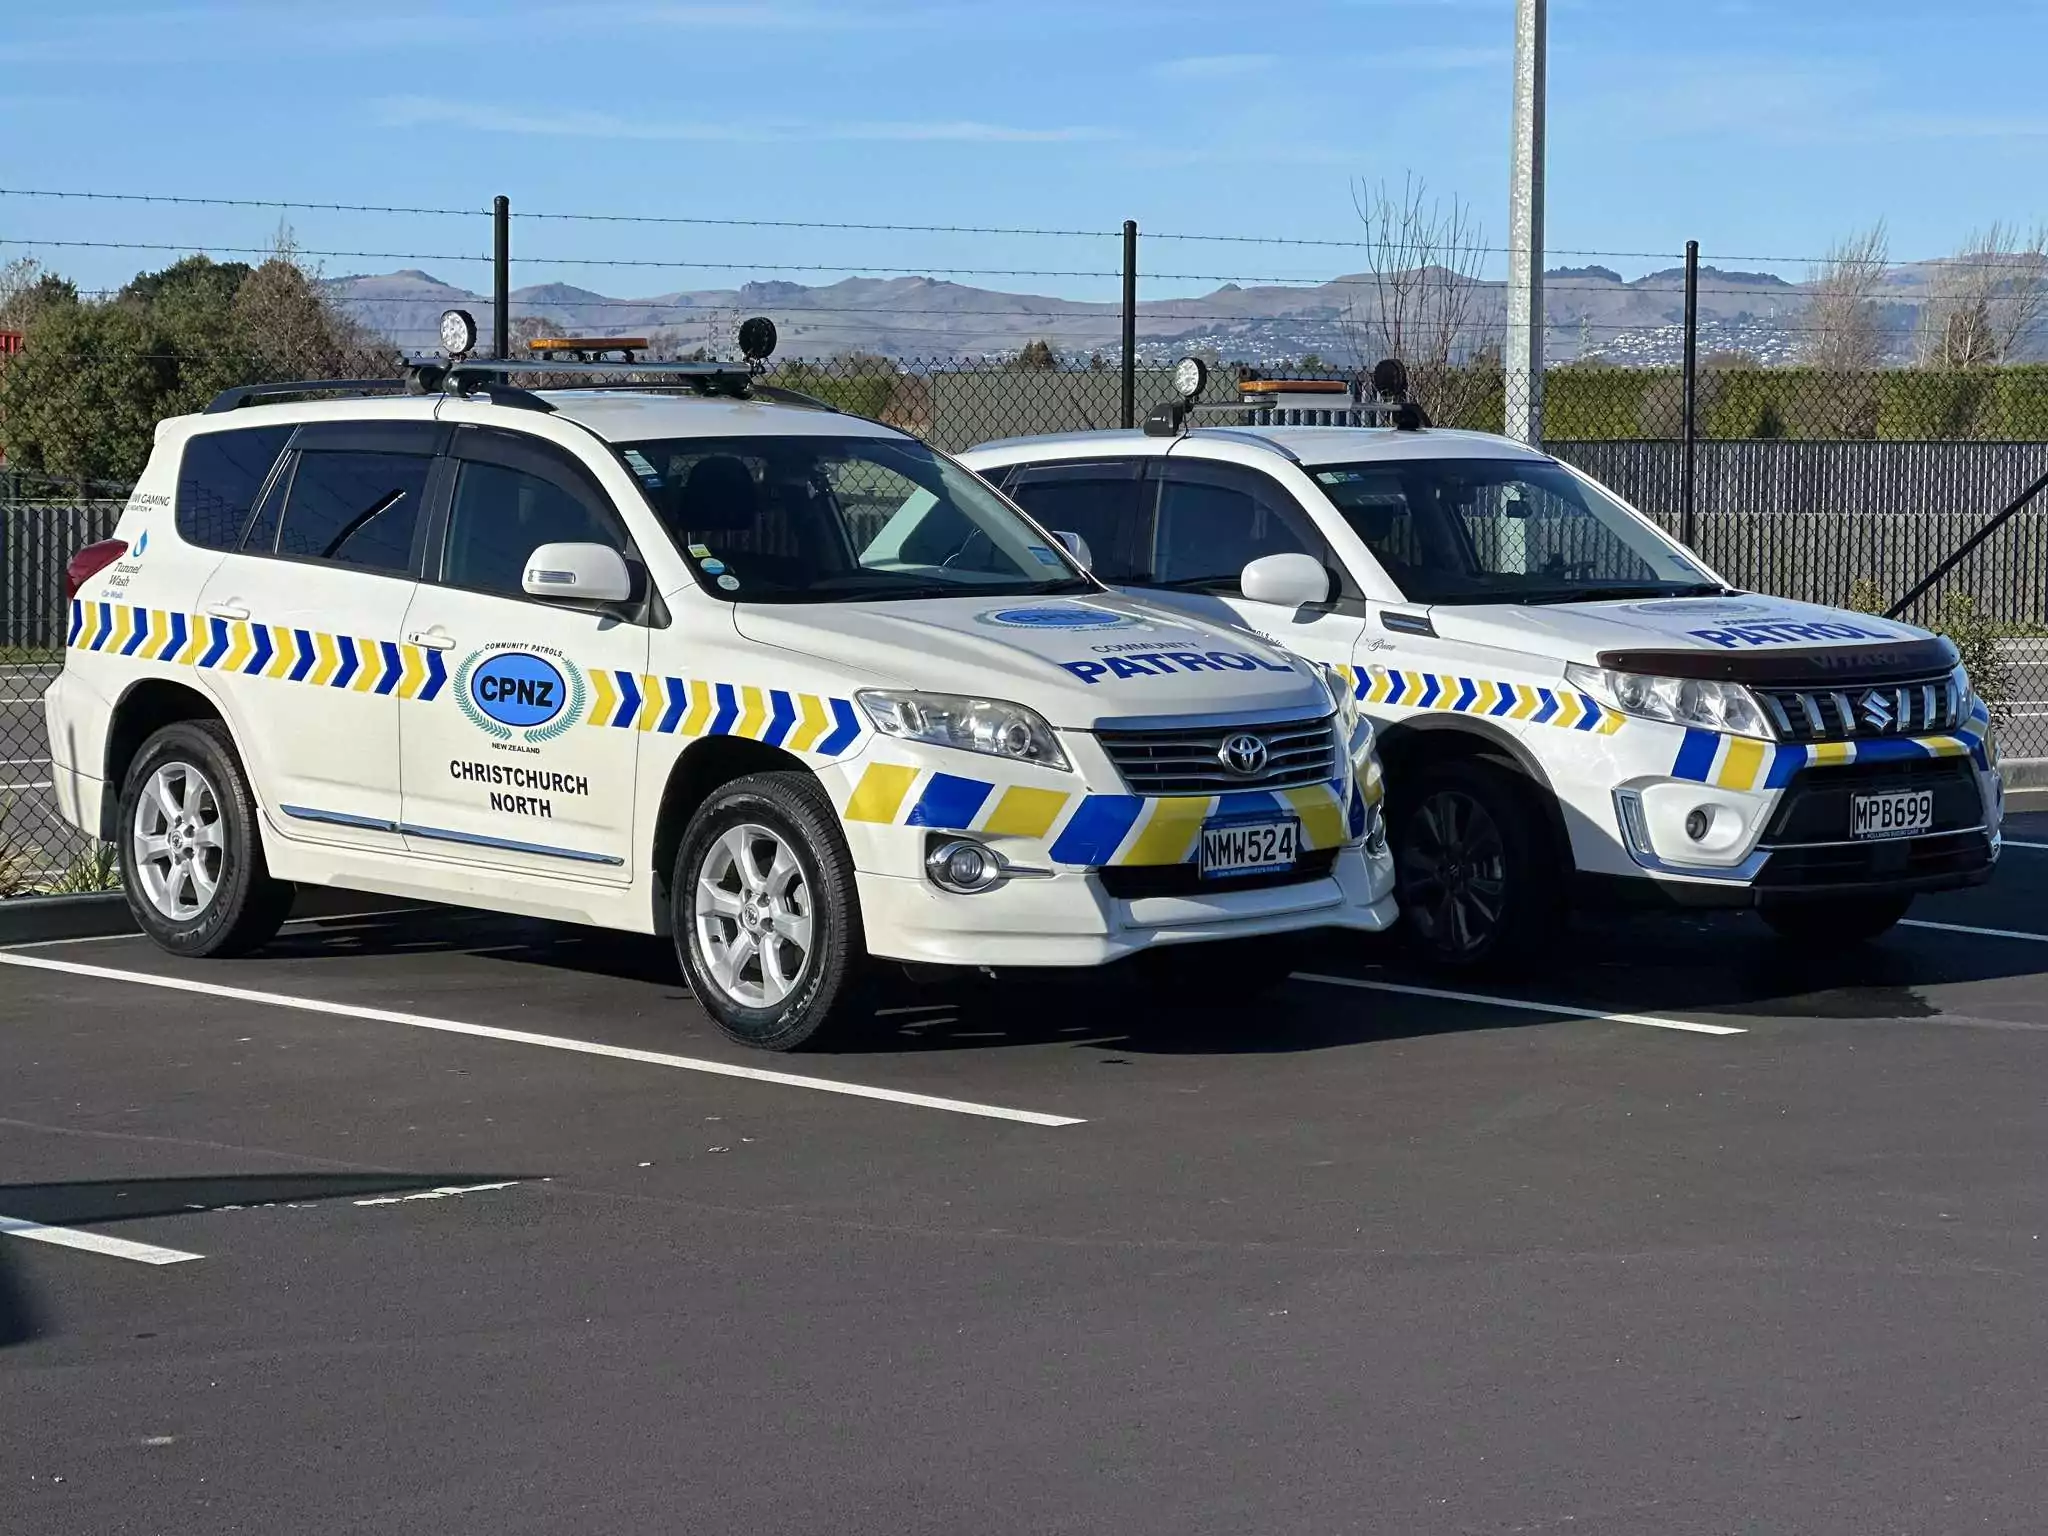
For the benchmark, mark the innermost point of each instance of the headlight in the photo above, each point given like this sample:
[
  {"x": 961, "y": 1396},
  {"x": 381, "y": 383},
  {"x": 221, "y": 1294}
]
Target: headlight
[
  {"x": 972, "y": 725},
  {"x": 1959, "y": 680},
  {"x": 1709, "y": 706}
]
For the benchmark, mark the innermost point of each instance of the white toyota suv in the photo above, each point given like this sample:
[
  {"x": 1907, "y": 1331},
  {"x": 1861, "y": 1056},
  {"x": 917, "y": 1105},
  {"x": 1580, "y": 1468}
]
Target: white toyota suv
[
  {"x": 1569, "y": 704},
  {"x": 706, "y": 660}
]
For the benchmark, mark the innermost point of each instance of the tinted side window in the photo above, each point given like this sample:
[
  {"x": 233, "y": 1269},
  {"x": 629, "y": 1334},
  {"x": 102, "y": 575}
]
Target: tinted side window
[
  {"x": 219, "y": 479},
  {"x": 1109, "y": 514},
  {"x": 501, "y": 515},
  {"x": 354, "y": 508},
  {"x": 1213, "y": 531}
]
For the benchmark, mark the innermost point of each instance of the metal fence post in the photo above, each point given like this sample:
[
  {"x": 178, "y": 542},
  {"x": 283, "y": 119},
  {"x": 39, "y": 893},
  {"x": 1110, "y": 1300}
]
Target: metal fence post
[
  {"x": 1689, "y": 408},
  {"x": 1130, "y": 359},
  {"x": 501, "y": 277}
]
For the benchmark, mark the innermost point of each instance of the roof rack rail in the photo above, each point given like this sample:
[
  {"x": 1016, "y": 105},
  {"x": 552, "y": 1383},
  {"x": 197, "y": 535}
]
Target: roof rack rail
[
  {"x": 707, "y": 378},
  {"x": 1249, "y": 438},
  {"x": 243, "y": 394}
]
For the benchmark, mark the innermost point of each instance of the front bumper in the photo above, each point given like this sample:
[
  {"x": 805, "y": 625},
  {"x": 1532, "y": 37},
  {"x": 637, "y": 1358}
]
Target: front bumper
[
  {"x": 1071, "y": 919},
  {"x": 1799, "y": 848}
]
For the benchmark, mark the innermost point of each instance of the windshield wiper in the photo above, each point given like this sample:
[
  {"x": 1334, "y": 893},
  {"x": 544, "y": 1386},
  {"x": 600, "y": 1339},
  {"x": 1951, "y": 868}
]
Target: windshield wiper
[
  {"x": 1637, "y": 589},
  {"x": 1196, "y": 584}
]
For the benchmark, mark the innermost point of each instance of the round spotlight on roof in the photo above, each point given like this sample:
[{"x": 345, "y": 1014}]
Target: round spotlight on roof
[
  {"x": 458, "y": 332},
  {"x": 1190, "y": 378},
  {"x": 1390, "y": 377},
  {"x": 757, "y": 338}
]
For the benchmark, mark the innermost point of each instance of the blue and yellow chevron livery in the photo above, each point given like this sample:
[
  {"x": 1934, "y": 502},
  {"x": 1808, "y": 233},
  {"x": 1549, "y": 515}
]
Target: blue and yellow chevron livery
[
  {"x": 676, "y": 706},
  {"x": 1565, "y": 708},
  {"x": 250, "y": 648},
  {"x": 1744, "y": 763},
  {"x": 1091, "y": 830}
]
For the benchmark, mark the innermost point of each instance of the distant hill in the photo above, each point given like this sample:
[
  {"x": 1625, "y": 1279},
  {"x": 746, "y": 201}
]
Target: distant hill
[{"x": 1592, "y": 311}]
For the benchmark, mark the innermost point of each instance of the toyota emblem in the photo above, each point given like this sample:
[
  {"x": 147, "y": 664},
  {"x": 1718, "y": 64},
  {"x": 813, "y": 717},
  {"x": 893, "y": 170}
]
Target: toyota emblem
[{"x": 1243, "y": 754}]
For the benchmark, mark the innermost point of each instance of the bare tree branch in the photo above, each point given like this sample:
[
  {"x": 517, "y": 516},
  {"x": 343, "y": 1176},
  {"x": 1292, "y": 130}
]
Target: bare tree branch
[
  {"x": 1986, "y": 302},
  {"x": 1424, "y": 299},
  {"x": 1842, "y": 312}
]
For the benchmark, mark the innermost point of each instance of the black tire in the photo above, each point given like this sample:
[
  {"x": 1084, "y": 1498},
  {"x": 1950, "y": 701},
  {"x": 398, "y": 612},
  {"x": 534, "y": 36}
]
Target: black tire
[
  {"x": 1843, "y": 920},
  {"x": 826, "y": 985},
  {"x": 1479, "y": 881},
  {"x": 217, "y": 838}
]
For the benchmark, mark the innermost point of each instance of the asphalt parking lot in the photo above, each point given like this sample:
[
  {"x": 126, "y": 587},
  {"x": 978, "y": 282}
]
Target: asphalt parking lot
[{"x": 431, "y": 1221}]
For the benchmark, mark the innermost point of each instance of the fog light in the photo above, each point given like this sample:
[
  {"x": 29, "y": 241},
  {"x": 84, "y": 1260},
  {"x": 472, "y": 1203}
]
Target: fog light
[
  {"x": 964, "y": 867},
  {"x": 1375, "y": 831},
  {"x": 1698, "y": 823}
]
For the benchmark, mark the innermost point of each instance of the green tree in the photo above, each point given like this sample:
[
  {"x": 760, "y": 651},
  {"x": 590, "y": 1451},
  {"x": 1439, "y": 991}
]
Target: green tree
[
  {"x": 1037, "y": 356},
  {"x": 93, "y": 377}
]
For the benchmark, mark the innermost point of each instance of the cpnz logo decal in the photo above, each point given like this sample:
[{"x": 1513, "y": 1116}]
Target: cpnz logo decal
[
  {"x": 1060, "y": 616},
  {"x": 522, "y": 693}
]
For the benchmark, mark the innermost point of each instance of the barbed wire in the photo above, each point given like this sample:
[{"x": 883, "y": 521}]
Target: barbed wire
[{"x": 1985, "y": 258}]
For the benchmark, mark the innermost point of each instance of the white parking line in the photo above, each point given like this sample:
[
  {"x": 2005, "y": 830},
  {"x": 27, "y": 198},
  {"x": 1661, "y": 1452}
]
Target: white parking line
[
  {"x": 2031, "y": 847},
  {"x": 552, "y": 1042},
  {"x": 94, "y": 1242},
  {"x": 1982, "y": 933},
  {"x": 1648, "y": 1020}
]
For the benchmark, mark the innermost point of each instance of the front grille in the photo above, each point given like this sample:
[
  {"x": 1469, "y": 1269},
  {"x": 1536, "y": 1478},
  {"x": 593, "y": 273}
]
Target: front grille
[
  {"x": 1131, "y": 882},
  {"x": 1816, "y": 807},
  {"x": 1921, "y": 706},
  {"x": 1189, "y": 761}
]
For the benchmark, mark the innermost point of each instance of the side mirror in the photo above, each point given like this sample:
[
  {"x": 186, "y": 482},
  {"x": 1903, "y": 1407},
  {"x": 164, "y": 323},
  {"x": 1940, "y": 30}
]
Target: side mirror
[
  {"x": 1076, "y": 546},
  {"x": 581, "y": 573},
  {"x": 1286, "y": 581}
]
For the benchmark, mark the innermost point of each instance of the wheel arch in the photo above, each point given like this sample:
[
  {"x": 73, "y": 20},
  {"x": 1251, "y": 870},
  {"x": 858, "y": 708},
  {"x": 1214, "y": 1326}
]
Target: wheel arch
[
  {"x": 697, "y": 773},
  {"x": 144, "y": 709},
  {"x": 1409, "y": 748}
]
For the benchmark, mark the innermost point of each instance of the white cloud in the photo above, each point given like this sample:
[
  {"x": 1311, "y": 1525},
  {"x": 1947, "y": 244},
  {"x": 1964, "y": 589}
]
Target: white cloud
[
  {"x": 418, "y": 111},
  {"x": 1214, "y": 66}
]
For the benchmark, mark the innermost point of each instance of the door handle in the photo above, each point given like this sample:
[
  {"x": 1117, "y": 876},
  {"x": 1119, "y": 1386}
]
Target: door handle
[
  {"x": 227, "y": 611},
  {"x": 432, "y": 639}
]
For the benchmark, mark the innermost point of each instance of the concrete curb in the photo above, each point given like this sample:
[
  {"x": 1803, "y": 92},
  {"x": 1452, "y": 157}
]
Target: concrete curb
[
  {"x": 2024, "y": 773},
  {"x": 38, "y": 919}
]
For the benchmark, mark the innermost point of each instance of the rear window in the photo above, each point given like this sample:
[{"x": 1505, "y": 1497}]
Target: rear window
[
  {"x": 219, "y": 479},
  {"x": 353, "y": 509}
]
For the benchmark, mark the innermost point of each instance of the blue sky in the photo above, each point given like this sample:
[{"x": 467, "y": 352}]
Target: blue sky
[{"x": 1755, "y": 127}]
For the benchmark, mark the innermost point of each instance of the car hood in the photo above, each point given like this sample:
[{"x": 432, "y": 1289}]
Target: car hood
[
  {"x": 1740, "y": 623},
  {"x": 1077, "y": 661}
]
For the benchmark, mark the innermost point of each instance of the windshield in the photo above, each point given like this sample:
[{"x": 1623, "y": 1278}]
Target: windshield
[
  {"x": 1507, "y": 531},
  {"x": 841, "y": 519}
]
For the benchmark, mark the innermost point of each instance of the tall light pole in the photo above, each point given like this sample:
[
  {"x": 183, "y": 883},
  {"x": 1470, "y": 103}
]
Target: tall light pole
[{"x": 1524, "y": 358}]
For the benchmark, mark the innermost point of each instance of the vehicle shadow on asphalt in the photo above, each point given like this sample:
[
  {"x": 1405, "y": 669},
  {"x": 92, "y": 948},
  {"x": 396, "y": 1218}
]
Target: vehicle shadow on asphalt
[
  {"x": 1691, "y": 965},
  {"x": 103, "y": 1202}
]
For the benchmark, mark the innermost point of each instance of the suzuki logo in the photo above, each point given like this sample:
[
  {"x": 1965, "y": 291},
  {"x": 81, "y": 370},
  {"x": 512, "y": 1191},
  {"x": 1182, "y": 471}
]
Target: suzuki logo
[
  {"x": 1877, "y": 710},
  {"x": 1243, "y": 754}
]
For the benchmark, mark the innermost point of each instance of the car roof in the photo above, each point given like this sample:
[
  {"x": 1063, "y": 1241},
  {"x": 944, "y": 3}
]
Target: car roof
[
  {"x": 1301, "y": 445},
  {"x": 616, "y": 415}
]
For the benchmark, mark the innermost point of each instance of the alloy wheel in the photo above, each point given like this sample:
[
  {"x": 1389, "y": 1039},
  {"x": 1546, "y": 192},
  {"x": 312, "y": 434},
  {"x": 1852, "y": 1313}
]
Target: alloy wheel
[
  {"x": 178, "y": 842},
  {"x": 1454, "y": 872},
  {"x": 754, "y": 916}
]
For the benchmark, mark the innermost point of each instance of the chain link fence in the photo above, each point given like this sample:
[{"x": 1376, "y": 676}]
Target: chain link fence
[{"x": 1828, "y": 487}]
